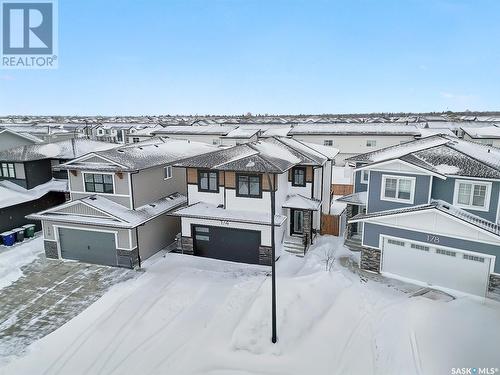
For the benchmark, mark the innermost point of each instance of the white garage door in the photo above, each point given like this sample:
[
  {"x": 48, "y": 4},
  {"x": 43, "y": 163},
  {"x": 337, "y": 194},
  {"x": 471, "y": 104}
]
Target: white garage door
[{"x": 436, "y": 266}]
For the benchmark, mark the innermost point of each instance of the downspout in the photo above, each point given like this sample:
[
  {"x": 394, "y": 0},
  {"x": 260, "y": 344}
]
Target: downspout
[{"x": 136, "y": 228}]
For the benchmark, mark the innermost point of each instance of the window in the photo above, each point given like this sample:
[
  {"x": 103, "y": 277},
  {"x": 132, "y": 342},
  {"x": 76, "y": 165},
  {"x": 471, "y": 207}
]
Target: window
[
  {"x": 396, "y": 242},
  {"x": 446, "y": 252},
  {"x": 420, "y": 247},
  {"x": 208, "y": 181},
  {"x": 364, "y": 176},
  {"x": 328, "y": 142},
  {"x": 474, "y": 195},
  {"x": 371, "y": 143},
  {"x": 395, "y": 188},
  {"x": 8, "y": 170},
  {"x": 248, "y": 186},
  {"x": 99, "y": 183},
  {"x": 167, "y": 172},
  {"x": 215, "y": 142},
  {"x": 299, "y": 176},
  {"x": 135, "y": 139},
  {"x": 474, "y": 258}
]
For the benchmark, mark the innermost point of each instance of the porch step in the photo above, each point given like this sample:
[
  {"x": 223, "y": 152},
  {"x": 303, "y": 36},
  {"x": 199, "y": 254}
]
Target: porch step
[
  {"x": 353, "y": 245},
  {"x": 294, "y": 247}
]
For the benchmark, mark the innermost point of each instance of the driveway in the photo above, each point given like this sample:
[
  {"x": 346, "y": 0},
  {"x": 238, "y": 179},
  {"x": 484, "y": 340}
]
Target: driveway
[{"x": 46, "y": 296}]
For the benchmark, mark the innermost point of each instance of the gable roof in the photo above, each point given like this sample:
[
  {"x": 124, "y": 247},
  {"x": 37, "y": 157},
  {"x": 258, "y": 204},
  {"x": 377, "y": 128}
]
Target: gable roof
[
  {"x": 355, "y": 129},
  {"x": 26, "y": 136},
  {"x": 487, "y": 132},
  {"x": 142, "y": 155},
  {"x": 195, "y": 130}
]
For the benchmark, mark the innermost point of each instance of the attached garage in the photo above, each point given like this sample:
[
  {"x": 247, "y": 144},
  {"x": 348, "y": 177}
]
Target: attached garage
[
  {"x": 237, "y": 245},
  {"x": 438, "y": 266},
  {"x": 88, "y": 246}
]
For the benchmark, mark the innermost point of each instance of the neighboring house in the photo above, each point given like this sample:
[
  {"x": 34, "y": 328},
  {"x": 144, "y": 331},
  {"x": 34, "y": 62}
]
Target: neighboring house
[
  {"x": 210, "y": 134},
  {"x": 488, "y": 135},
  {"x": 120, "y": 199},
  {"x": 352, "y": 139},
  {"x": 428, "y": 210},
  {"x": 141, "y": 135},
  {"x": 239, "y": 136},
  {"x": 10, "y": 138},
  {"x": 229, "y": 199},
  {"x": 27, "y": 181}
]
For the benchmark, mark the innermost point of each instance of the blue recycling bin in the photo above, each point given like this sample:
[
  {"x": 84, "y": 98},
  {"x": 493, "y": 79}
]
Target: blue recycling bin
[{"x": 8, "y": 238}]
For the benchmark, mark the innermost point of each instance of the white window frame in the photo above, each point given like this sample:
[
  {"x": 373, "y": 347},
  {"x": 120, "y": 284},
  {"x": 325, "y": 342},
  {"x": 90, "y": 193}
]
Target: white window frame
[
  {"x": 486, "y": 206},
  {"x": 364, "y": 173},
  {"x": 167, "y": 172},
  {"x": 396, "y": 199},
  {"x": 328, "y": 142},
  {"x": 370, "y": 141}
]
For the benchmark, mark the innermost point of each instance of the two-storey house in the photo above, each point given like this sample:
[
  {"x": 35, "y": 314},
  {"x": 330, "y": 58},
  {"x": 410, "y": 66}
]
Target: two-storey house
[
  {"x": 231, "y": 191},
  {"x": 27, "y": 182},
  {"x": 428, "y": 211},
  {"x": 119, "y": 203}
]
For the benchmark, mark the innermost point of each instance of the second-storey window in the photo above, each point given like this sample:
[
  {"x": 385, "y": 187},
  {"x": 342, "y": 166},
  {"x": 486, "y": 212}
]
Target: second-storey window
[
  {"x": 328, "y": 142},
  {"x": 167, "y": 172},
  {"x": 208, "y": 181},
  {"x": 135, "y": 139},
  {"x": 299, "y": 176},
  {"x": 248, "y": 185},
  {"x": 474, "y": 195},
  {"x": 371, "y": 143},
  {"x": 8, "y": 170},
  {"x": 99, "y": 183},
  {"x": 364, "y": 176},
  {"x": 398, "y": 188}
]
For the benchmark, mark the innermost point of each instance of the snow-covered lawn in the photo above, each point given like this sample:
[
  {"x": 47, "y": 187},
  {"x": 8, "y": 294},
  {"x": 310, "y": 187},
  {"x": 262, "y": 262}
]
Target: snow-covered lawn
[{"x": 188, "y": 315}]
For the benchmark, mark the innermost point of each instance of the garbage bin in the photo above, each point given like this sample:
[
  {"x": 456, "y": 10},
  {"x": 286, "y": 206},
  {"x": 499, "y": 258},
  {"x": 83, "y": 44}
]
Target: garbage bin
[
  {"x": 8, "y": 238},
  {"x": 29, "y": 230},
  {"x": 19, "y": 234}
]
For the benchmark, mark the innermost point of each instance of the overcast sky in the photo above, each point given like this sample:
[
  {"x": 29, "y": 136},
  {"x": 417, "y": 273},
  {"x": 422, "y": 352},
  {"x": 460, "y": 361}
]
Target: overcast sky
[{"x": 236, "y": 56}]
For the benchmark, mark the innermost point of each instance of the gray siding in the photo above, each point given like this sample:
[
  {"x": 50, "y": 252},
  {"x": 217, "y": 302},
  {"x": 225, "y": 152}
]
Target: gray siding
[
  {"x": 149, "y": 185},
  {"x": 8, "y": 140},
  {"x": 157, "y": 234},
  {"x": 372, "y": 232},
  {"x": 375, "y": 204},
  {"x": 444, "y": 190}
]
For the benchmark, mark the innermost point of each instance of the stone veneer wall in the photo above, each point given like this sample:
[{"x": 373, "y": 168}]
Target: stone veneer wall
[
  {"x": 370, "y": 259},
  {"x": 494, "y": 286},
  {"x": 307, "y": 228},
  {"x": 187, "y": 245},
  {"x": 265, "y": 255},
  {"x": 51, "y": 249}
]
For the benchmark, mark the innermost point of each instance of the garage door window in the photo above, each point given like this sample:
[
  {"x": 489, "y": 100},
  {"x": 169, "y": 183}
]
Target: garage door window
[
  {"x": 99, "y": 183},
  {"x": 419, "y": 247},
  {"x": 446, "y": 252},
  {"x": 474, "y": 258},
  {"x": 395, "y": 242}
]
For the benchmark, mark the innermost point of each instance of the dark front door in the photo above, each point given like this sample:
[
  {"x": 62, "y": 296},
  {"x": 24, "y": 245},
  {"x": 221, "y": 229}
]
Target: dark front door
[
  {"x": 236, "y": 245},
  {"x": 88, "y": 246},
  {"x": 297, "y": 223}
]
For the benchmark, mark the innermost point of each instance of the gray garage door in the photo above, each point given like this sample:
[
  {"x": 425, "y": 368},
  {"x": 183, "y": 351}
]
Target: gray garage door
[
  {"x": 236, "y": 245},
  {"x": 88, "y": 246}
]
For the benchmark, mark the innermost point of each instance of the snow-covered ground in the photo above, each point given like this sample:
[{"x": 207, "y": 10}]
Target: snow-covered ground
[{"x": 188, "y": 315}]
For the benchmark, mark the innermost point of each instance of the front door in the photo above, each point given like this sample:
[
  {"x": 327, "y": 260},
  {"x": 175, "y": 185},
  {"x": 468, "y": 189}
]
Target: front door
[{"x": 297, "y": 224}]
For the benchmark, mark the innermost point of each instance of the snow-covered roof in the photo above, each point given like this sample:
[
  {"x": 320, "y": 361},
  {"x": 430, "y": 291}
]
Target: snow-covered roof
[
  {"x": 300, "y": 202},
  {"x": 442, "y": 155},
  {"x": 242, "y": 133},
  {"x": 337, "y": 207},
  {"x": 441, "y": 206},
  {"x": 342, "y": 175},
  {"x": 358, "y": 199},
  {"x": 67, "y": 149},
  {"x": 202, "y": 210},
  {"x": 27, "y": 136},
  {"x": 114, "y": 215},
  {"x": 142, "y": 155},
  {"x": 281, "y": 131},
  {"x": 274, "y": 155},
  {"x": 195, "y": 130},
  {"x": 354, "y": 129},
  {"x": 426, "y": 132},
  {"x": 488, "y": 132},
  {"x": 12, "y": 194}
]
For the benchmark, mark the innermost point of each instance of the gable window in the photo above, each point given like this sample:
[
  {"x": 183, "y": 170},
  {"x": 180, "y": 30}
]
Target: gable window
[
  {"x": 328, "y": 142},
  {"x": 371, "y": 143},
  {"x": 99, "y": 183},
  {"x": 473, "y": 195},
  {"x": 208, "y": 181},
  {"x": 397, "y": 188},
  {"x": 8, "y": 170},
  {"x": 299, "y": 176},
  {"x": 167, "y": 172},
  {"x": 364, "y": 176},
  {"x": 248, "y": 185}
]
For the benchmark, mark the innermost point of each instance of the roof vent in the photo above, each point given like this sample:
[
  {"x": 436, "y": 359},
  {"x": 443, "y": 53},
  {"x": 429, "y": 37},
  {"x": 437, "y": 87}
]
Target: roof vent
[
  {"x": 445, "y": 206},
  {"x": 120, "y": 150},
  {"x": 92, "y": 197},
  {"x": 152, "y": 205},
  {"x": 220, "y": 206}
]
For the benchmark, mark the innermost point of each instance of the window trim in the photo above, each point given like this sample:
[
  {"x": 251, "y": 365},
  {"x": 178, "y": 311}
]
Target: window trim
[
  {"x": 200, "y": 189},
  {"x": 325, "y": 141},
  {"x": 98, "y": 192},
  {"x": 371, "y": 145},
  {"x": 237, "y": 185},
  {"x": 305, "y": 176},
  {"x": 363, "y": 171},
  {"x": 396, "y": 199},
  {"x": 168, "y": 176},
  {"x": 487, "y": 198},
  {"x": 8, "y": 170}
]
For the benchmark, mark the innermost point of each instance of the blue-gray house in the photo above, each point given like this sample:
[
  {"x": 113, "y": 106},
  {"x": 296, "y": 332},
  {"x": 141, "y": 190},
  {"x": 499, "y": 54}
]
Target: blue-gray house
[{"x": 428, "y": 211}]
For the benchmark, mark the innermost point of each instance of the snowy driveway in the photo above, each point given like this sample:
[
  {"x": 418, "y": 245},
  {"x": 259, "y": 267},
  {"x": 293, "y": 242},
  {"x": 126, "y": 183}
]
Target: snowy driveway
[{"x": 47, "y": 294}]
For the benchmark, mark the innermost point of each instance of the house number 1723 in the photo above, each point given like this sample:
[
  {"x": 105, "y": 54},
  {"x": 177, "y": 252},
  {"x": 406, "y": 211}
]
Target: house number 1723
[{"x": 433, "y": 239}]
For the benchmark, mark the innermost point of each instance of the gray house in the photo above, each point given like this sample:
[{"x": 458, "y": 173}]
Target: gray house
[
  {"x": 428, "y": 211},
  {"x": 10, "y": 138},
  {"x": 119, "y": 203}
]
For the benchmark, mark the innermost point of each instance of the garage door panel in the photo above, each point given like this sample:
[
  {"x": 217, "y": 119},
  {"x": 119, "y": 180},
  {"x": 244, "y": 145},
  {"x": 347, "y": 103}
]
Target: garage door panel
[
  {"x": 88, "y": 246},
  {"x": 235, "y": 245},
  {"x": 447, "y": 269}
]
